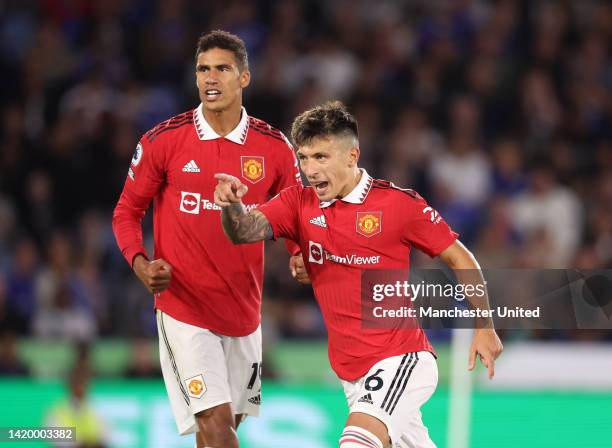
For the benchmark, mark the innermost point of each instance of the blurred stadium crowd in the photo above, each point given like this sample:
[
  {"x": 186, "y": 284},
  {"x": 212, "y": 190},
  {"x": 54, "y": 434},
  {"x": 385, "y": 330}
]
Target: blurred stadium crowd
[{"x": 497, "y": 112}]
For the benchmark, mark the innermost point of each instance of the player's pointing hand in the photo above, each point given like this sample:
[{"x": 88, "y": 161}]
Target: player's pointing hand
[
  {"x": 229, "y": 190},
  {"x": 487, "y": 345}
]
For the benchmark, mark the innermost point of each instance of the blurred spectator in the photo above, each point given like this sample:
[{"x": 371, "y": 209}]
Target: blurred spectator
[
  {"x": 496, "y": 246},
  {"x": 509, "y": 177},
  {"x": 412, "y": 145},
  {"x": 7, "y": 231},
  {"x": 541, "y": 106},
  {"x": 21, "y": 286},
  {"x": 64, "y": 307},
  {"x": 76, "y": 411},
  {"x": 39, "y": 210},
  {"x": 10, "y": 365},
  {"x": 144, "y": 360},
  {"x": 462, "y": 176},
  {"x": 549, "y": 212}
]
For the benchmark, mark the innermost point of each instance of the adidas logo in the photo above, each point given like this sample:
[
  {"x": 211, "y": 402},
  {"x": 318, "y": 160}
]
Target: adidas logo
[
  {"x": 256, "y": 399},
  {"x": 319, "y": 221},
  {"x": 367, "y": 398},
  {"x": 191, "y": 167}
]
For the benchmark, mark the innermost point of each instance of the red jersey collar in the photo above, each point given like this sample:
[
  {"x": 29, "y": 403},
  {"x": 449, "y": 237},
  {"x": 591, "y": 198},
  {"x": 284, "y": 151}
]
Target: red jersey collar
[
  {"x": 206, "y": 132},
  {"x": 359, "y": 194}
]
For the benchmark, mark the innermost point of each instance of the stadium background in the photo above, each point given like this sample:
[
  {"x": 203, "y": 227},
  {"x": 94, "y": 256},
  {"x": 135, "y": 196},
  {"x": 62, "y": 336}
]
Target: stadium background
[{"x": 498, "y": 112}]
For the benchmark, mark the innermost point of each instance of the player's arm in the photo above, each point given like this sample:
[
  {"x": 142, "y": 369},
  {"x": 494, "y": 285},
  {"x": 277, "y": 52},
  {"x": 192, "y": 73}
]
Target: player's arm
[
  {"x": 290, "y": 175},
  {"x": 486, "y": 344},
  {"x": 142, "y": 184},
  {"x": 239, "y": 225}
]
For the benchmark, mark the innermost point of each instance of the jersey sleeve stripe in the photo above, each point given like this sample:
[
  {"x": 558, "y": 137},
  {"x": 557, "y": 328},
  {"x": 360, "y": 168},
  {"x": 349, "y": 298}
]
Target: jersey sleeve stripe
[
  {"x": 173, "y": 123},
  {"x": 277, "y": 137},
  {"x": 151, "y": 137}
]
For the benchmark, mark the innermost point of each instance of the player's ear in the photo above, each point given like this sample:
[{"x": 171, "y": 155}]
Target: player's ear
[
  {"x": 354, "y": 154},
  {"x": 245, "y": 78}
]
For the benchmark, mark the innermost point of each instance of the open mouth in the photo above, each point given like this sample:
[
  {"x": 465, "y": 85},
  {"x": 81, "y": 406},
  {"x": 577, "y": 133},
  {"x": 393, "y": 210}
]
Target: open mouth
[
  {"x": 320, "y": 187},
  {"x": 212, "y": 94}
]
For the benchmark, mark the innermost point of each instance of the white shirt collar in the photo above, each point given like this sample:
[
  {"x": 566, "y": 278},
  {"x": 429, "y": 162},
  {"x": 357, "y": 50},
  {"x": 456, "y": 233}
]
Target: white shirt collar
[
  {"x": 206, "y": 132},
  {"x": 358, "y": 194}
]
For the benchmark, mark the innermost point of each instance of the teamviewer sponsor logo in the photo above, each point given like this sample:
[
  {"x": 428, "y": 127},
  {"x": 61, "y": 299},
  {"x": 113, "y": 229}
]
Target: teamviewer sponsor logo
[
  {"x": 190, "y": 202},
  {"x": 316, "y": 254},
  {"x": 352, "y": 259}
]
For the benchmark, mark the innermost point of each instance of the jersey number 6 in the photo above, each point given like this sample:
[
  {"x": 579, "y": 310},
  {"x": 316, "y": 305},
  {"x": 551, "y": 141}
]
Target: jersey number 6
[{"x": 374, "y": 382}]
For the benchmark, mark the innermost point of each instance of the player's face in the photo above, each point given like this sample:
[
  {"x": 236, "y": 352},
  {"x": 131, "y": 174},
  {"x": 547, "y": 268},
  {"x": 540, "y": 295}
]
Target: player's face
[
  {"x": 329, "y": 165},
  {"x": 219, "y": 80}
]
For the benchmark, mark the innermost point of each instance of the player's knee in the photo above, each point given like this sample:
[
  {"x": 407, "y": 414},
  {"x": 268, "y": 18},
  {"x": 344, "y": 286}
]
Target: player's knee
[
  {"x": 357, "y": 437},
  {"x": 217, "y": 426}
]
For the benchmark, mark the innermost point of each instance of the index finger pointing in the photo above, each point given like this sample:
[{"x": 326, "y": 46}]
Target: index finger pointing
[
  {"x": 224, "y": 177},
  {"x": 491, "y": 368}
]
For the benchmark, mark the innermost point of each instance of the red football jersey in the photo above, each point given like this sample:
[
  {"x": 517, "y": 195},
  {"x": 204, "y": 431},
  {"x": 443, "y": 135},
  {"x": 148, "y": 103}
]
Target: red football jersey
[
  {"x": 373, "y": 227},
  {"x": 215, "y": 284}
]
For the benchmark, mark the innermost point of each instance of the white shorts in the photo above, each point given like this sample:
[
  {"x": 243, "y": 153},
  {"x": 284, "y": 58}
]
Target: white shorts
[
  {"x": 203, "y": 369},
  {"x": 393, "y": 391}
]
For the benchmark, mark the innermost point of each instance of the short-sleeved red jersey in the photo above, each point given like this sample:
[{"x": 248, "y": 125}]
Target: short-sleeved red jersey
[
  {"x": 215, "y": 284},
  {"x": 373, "y": 227}
]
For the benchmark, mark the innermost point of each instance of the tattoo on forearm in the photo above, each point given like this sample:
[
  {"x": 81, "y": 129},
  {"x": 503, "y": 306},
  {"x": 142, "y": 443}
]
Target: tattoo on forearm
[{"x": 243, "y": 227}]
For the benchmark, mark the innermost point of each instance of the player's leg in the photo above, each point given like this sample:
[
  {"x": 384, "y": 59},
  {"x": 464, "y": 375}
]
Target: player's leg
[
  {"x": 217, "y": 426},
  {"x": 390, "y": 395},
  {"x": 196, "y": 379},
  {"x": 200, "y": 441},
  {"x": 243, "y": 356},
  {"x": 363, "y": 430},
  {"x": 239, "y": 418}
]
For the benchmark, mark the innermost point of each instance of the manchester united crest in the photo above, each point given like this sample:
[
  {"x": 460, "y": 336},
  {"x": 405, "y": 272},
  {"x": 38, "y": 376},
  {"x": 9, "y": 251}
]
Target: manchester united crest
[
  {"x": 196, "y": 386},
  {"x": 369, "y": 223},
  {"x": 252, "y": 168}
]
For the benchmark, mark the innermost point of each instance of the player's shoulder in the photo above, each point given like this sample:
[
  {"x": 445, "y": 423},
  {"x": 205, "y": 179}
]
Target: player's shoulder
[
  {"x": 300, "y": 192},
  {"x": 267, "y": 131},
  {"x": 175, "y": 124},
  {"x": 387, "y": 187}
]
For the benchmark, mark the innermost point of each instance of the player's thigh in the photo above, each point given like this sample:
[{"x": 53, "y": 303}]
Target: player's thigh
[
  {"x": 393, "y": 391},
  {"x": 244, "y": 357},
  {"x": 194, "y": 368}
]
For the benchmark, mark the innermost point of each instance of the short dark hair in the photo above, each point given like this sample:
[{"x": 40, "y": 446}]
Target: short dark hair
[
  {"x": 224, "y": 41},
  {"x": 330, "y": 118}
]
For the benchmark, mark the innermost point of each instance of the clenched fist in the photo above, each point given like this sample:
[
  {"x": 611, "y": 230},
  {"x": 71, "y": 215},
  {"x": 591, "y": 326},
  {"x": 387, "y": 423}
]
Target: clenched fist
[
  {"x": 298, "y": 270},
  {"x": 155, "y": 275}
]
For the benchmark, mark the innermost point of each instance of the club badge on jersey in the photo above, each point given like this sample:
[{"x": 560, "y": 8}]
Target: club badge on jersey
[
  {"x": 369, "y": 223},
  {"x": 253, "y": 168}
]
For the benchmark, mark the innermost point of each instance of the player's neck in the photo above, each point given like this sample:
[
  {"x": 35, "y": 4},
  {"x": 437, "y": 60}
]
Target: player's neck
[
  {"x": 224, "y": 121},
  {"x": 350, "y": 186}
]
